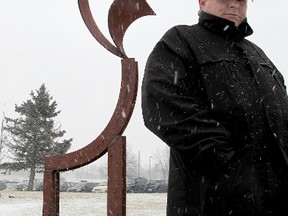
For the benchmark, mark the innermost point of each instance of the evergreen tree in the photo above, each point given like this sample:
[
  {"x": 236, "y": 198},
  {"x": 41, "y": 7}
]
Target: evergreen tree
[{"x": 34, "y": 134}]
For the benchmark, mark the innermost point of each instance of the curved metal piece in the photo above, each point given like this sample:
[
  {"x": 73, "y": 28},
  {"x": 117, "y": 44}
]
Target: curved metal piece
[
  {"x": 95, "y": 31},
  {"x": 122, "y": 14},
  {"x": 114, "y": 129}
]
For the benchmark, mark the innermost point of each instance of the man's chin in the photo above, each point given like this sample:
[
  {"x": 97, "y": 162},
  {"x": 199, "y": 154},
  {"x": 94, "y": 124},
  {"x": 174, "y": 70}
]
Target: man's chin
[{"x": 234, "y": 19}]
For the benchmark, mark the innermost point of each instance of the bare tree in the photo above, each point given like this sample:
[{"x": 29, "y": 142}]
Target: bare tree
[
  {"x": 162, "y": 161},
  {"x": 1, "y": 136},
  {"x": 131, "y": 162},
  {"x": 103, "y": 170},
  {"x": 1, "y": 139}
]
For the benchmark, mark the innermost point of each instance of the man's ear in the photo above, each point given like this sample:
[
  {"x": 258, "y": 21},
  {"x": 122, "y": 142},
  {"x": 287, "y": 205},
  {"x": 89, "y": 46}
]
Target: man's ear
[{"x": 202, "y": 4}]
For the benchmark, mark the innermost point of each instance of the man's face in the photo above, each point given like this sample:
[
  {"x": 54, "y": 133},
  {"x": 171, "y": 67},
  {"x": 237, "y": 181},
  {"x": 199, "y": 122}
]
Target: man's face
[{"x": 233, "y": 10}]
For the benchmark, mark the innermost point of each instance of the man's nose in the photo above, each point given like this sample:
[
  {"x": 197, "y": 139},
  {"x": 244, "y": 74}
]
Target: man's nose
[{"x": 234, "y": 3}]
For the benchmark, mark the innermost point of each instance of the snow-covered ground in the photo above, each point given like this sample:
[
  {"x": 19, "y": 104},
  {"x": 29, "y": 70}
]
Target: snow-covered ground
[{"x": 24, "y": 203}]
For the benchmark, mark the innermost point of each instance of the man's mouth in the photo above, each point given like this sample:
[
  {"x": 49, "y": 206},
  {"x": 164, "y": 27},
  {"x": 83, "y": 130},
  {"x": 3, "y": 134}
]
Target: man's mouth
[{"x": 232, "y": 15}]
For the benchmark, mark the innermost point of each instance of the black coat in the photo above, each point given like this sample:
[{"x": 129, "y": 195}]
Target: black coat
[{"x": 220, "y": 104}]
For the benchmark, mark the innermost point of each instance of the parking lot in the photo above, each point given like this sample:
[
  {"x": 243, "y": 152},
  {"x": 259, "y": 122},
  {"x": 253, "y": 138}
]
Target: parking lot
[
  {"x": 29, "y": 203},
  {"x": 133, "y": 185}
]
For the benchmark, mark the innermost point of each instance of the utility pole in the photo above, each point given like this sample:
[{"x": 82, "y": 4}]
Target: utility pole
[
  {"x": 150, "y": 168},
  {"x": 138, "y": 163}
]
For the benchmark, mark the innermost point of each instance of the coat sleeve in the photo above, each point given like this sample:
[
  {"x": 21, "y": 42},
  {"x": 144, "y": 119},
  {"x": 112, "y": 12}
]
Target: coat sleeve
[{"x": 174, "y": 105}]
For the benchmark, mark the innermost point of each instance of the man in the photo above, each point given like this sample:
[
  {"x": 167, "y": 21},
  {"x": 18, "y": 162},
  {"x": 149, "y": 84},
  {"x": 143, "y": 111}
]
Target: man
[{"x": 221, "y": 105}]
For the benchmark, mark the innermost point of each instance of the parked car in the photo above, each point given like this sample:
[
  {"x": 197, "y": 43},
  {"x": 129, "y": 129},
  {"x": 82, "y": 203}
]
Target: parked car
[
  {"x": 11, "y": 185},
  {"x": 15, "y": 186},
  {"x": 66, "y": 185},
  {"x": 2, "y": 185},
  {"x": 82, "y": 187},
  {"x": 152, "y": 184},
  {"x": 102, "y": 187},
  {"x": 22, "y": 186},
  {"x": 158, "y": 188},
  {"x": 136, "y": 184},
  {"x": 38, "y": 186}
]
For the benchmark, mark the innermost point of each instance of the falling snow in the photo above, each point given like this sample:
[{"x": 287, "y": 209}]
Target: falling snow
[
  {"x": 226, "y": 27},
  {"x": 175, "y": 77},
  {"x": 123, "y": 114}
]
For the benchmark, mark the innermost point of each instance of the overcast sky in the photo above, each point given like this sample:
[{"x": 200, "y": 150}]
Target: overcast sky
[{"x": 46, "y": 41}]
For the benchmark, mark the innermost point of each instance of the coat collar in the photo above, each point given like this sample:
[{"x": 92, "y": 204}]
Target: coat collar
[{"x": 225, "y": 27}]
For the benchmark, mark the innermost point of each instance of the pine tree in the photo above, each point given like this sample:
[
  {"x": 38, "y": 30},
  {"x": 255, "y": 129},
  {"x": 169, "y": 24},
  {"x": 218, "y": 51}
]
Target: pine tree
[{"x": 34, "y": 135}]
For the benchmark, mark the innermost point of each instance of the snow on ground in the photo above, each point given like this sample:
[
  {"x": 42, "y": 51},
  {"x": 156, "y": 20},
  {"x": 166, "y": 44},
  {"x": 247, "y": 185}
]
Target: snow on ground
[{"x": 24, "y": 203}]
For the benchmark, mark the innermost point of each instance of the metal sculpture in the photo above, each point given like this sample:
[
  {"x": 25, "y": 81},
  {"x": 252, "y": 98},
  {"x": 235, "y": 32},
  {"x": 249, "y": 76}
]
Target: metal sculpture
[{"x": 122, "y": 14}]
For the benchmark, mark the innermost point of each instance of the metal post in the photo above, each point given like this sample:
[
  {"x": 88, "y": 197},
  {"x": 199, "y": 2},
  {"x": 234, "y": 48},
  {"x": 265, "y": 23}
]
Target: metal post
[{"x": 150, "y": 167}]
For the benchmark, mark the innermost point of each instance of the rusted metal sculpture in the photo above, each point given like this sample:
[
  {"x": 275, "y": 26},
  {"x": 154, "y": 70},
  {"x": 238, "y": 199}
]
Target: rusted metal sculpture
[{"x": 121, "y": 14}]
